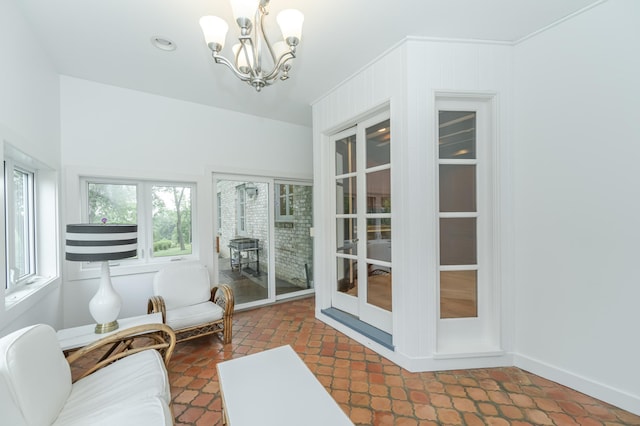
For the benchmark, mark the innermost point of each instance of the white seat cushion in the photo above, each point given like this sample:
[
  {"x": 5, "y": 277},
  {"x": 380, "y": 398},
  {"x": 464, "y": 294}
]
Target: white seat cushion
[
  {"x": 132, "y": 380},
  {"x": 188, "y": 316},
  {"x": 153, "y": 411}
]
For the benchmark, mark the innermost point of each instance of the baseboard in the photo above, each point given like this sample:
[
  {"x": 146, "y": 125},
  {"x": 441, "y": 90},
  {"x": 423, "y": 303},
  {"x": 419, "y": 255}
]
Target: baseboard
[
  {"x": 367, "y": 330},
  {"x": 606, "y": 393},
  {"x": 479, "y": 360}
]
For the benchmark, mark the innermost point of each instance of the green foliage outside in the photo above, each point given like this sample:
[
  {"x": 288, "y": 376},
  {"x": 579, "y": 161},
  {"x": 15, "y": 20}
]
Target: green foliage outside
[{"x": 171, "y": 213}]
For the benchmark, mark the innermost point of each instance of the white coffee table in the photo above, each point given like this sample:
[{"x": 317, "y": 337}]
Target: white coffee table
[
  {"x": 275, "y": 387},
  {"x": 77, "y": 337}
]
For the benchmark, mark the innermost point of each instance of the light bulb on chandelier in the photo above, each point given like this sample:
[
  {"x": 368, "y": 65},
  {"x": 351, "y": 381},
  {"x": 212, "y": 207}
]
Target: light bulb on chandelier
[{"x": 249, "y": 62}]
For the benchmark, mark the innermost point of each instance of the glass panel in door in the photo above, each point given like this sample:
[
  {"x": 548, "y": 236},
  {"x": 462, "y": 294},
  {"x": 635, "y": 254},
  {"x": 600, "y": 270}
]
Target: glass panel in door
[
  {"x": 378, "y": 220},
  {"x": 243, "y": 238},
  {"x": 346, "y": 198},
  {"x": 458, "y": 214}
]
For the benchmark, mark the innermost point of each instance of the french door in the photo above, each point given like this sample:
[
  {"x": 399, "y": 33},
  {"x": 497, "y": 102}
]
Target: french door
[{"x": 362, "y": 197}]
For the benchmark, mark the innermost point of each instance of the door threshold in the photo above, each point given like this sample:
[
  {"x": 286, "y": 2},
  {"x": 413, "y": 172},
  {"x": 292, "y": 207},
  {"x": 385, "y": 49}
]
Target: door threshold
[{"x": 381, "y": 337}]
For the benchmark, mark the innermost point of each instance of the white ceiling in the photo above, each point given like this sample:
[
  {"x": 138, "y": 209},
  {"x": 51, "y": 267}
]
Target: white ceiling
[{"x": 108, "y": 41}]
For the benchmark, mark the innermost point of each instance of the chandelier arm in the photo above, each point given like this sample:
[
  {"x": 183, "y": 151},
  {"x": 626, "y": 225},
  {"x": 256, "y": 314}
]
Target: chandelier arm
[
  {"x": 264, "y": 36},
  {"x": 248, "y": 46},
  {"x": 281, "y": 61},
  {"x": 219, "y": 59}
]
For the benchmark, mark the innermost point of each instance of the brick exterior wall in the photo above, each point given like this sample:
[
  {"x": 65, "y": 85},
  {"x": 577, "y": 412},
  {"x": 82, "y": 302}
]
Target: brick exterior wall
[{"x": 293, "y": 245}]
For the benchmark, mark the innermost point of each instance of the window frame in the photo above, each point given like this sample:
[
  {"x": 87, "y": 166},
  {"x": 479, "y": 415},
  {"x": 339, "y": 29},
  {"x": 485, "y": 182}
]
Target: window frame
[
  {"x": 144, "y": 213},
  {"x": 241, "y": 210},
  {"x": 10, "y": 167},
  {"x": 288, "y": 198}
]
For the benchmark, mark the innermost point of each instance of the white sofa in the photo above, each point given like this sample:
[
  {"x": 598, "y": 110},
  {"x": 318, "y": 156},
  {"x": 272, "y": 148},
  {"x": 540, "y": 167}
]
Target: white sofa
[{"x": 36, "y": 386}]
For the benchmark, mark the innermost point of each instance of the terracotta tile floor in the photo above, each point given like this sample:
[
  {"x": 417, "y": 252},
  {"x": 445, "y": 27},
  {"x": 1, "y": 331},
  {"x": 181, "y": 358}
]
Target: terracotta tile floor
[{"x": 371, "y": 389}]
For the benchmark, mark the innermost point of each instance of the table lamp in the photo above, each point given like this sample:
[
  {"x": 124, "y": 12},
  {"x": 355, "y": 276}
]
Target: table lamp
[{"x": 102, "y": 242}]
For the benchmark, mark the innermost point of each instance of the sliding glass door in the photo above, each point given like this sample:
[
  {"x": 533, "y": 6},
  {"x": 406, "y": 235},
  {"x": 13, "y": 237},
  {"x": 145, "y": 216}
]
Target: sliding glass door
[
  {"x": 243, "y": 238},
  {"x": 264, "y": 249}
]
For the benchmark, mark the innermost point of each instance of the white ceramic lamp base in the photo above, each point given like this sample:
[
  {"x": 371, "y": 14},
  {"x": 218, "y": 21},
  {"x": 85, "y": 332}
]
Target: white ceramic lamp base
[{"x": 105, "y": 305}]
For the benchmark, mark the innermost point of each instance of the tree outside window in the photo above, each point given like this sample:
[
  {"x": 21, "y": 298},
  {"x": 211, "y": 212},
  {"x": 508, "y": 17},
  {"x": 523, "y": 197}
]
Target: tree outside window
[{"x": 162, "y": 210}]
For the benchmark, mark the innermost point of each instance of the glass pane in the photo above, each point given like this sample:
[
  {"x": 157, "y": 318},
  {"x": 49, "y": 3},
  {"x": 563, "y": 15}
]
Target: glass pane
[
  {"x": 457, "y": 136},
  {"x": 346, "y": 193},
  {"x": 379, "y": 239},
  {"x": 346, "y": 155},
  {"x": 293, "y": 243},
  {"x": 458, "y": 294},
  {"x": 347, "y": 281},
  {"x": 171, "y": 220},
  {"x": 241, "y": 199},
  {"x": 379, "y": 192},
  {"x": 243, "y": 259},
  {"x": 457, "y": 188},
  {"x": 117, "y": 203},
  {"x": 378, "y": 144},
  {"x": 346, "y": 236},
  {"x": 283, "y": 190},
  {"x": 379, "y": 286},
  {"x": 22, "y": 206},
  {"x": 458, "y": 241}
]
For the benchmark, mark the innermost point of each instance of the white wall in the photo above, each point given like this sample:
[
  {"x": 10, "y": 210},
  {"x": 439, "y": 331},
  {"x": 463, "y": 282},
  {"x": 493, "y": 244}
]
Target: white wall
[
  {"x": 29, "y": 121},
  {"x": 112, "y": 131},
  {"x": 29, "y": 105},
  {"x": 577, "y": 202},
  {"x": 105, "y": 126}
]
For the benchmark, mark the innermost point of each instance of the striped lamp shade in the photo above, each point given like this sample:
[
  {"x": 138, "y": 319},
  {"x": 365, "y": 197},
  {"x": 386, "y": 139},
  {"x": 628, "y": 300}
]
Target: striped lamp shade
[{"x": 99, "y": 242}]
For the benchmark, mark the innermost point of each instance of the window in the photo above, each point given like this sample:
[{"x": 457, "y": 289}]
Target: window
[
  {"x": 162, "y": 211},
  {"x": 31, "y": 258},
  {"x": 219, "y": 209},
  {"x": 241, "y": 215},
  {"x": 19, "y": 224},
  {"x": 284, "y": 207}
]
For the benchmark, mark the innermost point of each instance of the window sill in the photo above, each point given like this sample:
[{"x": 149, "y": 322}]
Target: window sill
[
  {"x": 26, "y": 291},
  {"x": 78, "y": 271}
]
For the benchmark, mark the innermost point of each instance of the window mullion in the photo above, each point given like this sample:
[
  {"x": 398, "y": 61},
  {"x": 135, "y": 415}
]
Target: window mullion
[{"x": 145, "y": 221}]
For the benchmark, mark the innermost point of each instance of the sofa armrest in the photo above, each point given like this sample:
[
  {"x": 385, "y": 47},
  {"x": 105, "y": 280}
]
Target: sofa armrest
[{"x": 121, "y": 344}]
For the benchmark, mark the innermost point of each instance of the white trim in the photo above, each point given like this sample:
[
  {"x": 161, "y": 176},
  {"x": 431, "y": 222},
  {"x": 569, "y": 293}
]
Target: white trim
[
  {"x": 558, "y": 22},
  {"x": 593, "y": 388}
]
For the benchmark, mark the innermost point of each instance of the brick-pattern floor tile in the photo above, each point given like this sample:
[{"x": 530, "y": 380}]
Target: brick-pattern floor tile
[{"x": 370, "y": 389}]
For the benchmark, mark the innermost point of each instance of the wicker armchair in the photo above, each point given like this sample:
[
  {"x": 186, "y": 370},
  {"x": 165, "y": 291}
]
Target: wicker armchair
[{"x": 189, "y": 305}]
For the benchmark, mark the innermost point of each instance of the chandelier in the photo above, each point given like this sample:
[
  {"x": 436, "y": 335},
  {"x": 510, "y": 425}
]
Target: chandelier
[{"x": 255, "y": 60}]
